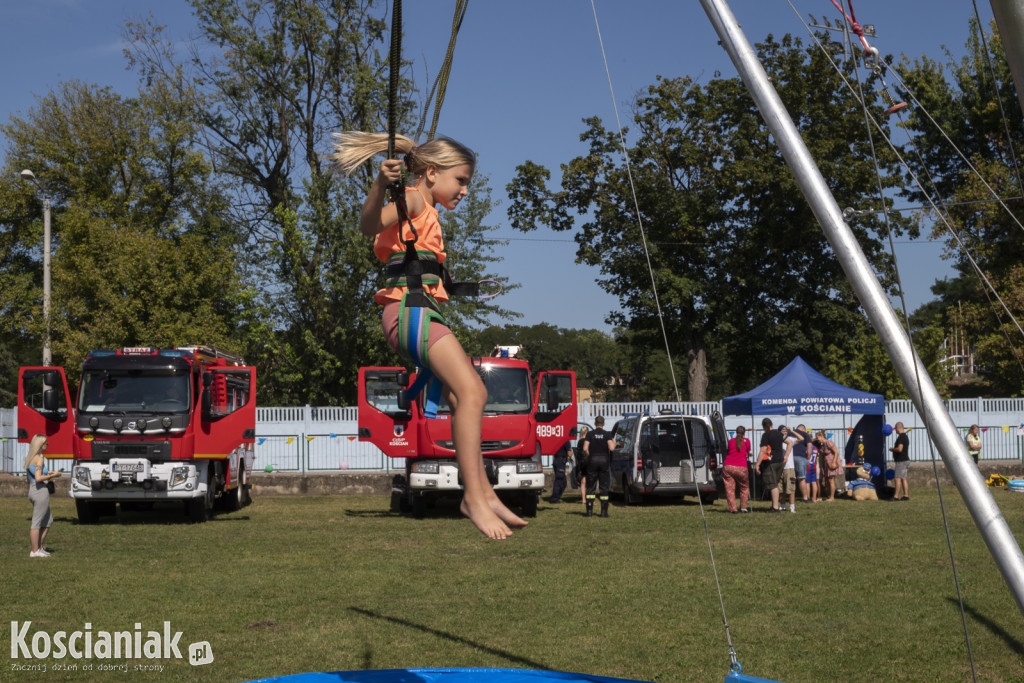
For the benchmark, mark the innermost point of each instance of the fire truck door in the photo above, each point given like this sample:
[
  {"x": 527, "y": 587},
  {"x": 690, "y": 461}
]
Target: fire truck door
[
  {"x": 44, "y": 407},
  {"x": 227, "y": 419},
  {"x": 381, "y": 421},
  {"x": 556, "y": 410}
]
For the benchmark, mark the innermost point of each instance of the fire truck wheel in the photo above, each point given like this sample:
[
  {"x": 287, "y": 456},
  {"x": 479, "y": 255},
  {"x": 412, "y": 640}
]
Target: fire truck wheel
[
  {"x": 235, "y": 499},
  {"x": 529, "y": 504},
  {"x": 245, "y": 488},
  {"x": 419, "y": 505},
  {"x": 199, "y": 509},
  {"x": 86, "y": 512}
]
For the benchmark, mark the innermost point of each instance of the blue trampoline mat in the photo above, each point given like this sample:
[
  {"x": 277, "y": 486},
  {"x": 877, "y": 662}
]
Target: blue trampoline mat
[{"x": 442, "y": 676}]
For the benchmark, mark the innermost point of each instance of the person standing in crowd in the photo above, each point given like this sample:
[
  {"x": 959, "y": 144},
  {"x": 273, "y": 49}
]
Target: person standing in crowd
[
  {"x": 558, "y": 464},
  {"x": 598, "y": 447},
  {"x": 831, "y": 467},
  {"x": 812, "y": 473},
  {"x": 801, "y": 456},
  {"x": 974, "y": 443},
  {"x": 39, "y": 482},
  {"x": 901, "y": 458},
  {"x": 788, "y": 483},
  {"x": 735, "y": 472},
  {"x": 772, "y": 446},
  {"x": 579, "y": 470}
]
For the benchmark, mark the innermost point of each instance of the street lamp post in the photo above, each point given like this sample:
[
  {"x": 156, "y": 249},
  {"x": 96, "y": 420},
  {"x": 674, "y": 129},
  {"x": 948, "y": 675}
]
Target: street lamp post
[{"x": 31, "y": 177}]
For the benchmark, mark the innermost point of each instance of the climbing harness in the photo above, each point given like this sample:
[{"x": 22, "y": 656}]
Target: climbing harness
[{"x": 414, "y": 267}]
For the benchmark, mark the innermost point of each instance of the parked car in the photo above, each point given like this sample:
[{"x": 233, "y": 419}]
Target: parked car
[{"x": 668, "y": 454}]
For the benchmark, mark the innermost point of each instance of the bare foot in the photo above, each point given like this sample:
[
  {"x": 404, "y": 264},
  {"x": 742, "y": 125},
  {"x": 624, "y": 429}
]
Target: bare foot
[
  {"x": 486, "y": 520},
  {"x": 506, "y": 515}
]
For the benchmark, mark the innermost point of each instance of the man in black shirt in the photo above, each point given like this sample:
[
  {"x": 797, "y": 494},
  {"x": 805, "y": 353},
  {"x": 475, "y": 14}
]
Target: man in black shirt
[
  {"x": 771, "y": 460},
  {"x": 901, "y": 460},
  {"x": 598, "y": 446}
]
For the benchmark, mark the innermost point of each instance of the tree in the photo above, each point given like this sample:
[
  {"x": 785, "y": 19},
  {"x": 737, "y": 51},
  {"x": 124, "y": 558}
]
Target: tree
[
  {"x": 964, "y": 166},
  {"x": 142, "y": 253},
  {"x": 745, "y": 278},
  {"x": 271, "y": 82}
]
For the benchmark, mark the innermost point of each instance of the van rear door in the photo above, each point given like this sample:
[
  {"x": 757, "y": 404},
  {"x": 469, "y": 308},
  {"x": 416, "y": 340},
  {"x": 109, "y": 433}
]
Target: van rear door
[{"x": 649, "y": 452}]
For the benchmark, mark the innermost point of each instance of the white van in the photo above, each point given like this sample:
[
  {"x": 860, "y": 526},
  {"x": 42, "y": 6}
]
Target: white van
[{"x": 669, "y": 454}]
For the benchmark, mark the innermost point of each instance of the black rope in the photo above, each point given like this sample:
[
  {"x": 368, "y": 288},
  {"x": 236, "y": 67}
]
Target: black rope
[
  {"x": 396, "y": 189},
  {"x": 395, "y": 71}
]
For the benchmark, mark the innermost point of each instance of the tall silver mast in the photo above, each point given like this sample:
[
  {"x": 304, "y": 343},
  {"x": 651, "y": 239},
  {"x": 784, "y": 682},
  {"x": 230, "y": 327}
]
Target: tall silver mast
[
  {"x": 983, "y": 508},
  {"x": 1009, "y": 15}
]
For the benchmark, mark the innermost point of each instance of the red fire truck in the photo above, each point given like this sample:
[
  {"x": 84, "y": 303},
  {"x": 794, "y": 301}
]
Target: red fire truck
[
  {"x": 148, "y": 425},
  {"x": 520, "y": 424}
]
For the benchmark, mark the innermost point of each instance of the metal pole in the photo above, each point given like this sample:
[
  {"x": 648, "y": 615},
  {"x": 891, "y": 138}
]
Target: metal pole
[
  {"x": 979, "y": 501},
  {"x": 47, "y": 358},
  {"x": 1009, "y": 16}
]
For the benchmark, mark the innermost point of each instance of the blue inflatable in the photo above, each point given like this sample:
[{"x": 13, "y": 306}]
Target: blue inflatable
[
  {"x": 886, "y": 430},
  {"x": 443, "y": 676}
]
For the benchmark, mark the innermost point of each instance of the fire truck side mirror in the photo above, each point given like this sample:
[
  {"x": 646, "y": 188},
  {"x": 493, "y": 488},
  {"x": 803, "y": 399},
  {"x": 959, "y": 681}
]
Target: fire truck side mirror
[
  {"x": 51, "y": 378},
  {"x": 402, "y": 400},
  {"x": 552, "y": 399},
  {"x": 206, "y": 398},
  {"x": 50, "y": 401}
]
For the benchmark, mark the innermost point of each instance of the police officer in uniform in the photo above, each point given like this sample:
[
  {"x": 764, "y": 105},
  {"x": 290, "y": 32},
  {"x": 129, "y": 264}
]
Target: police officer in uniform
[{"x": 598, "y": 447}]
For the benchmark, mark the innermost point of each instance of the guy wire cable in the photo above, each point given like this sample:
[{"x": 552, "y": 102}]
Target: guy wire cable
[
  {"x": 949, "y": 228},
  {"x": 906, "y": 327},
  {"x": 636, "y": 207},
  {"x": 734, "y": 664},
  {"x": 999, "y": 101}
]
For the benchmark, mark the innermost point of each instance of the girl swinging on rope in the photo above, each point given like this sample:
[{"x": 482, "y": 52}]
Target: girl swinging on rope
[{"x": 442, "y": 169}]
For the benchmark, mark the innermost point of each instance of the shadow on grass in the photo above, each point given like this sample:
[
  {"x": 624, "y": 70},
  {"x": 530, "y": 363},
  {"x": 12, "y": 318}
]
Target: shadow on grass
[
  {"x": 516, "y": 659},
  {"x": 994, "y": 628}
]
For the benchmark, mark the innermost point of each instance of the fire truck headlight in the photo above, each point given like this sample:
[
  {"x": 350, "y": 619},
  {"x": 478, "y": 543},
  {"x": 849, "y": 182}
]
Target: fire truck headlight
[
  {"x": 118, "y": 423},
  {"x": 82, "y": 476},
  {"x": 94, "y": 422},
  {"x": 165, "y": 423},
  {"x": 426, "y": 467},
  {"x": 179, "y": 475},
  {"x": 528, "y": 467}
]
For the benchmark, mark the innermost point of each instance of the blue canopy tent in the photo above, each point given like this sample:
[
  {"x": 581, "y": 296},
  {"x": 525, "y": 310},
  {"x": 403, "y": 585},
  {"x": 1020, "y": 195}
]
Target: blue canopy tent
[{"x": 799, "y": 389}]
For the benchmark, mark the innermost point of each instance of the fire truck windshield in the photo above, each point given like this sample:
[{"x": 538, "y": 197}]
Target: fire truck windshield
[
  {"x": 508, "y": 391},
  {"x": 134, "y": 391}
]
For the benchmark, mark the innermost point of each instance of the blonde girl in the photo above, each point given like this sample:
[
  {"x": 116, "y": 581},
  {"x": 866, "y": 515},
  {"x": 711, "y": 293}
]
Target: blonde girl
[
  {"x": 39, "y": 494},
  {"x": 441, "y": 170}
]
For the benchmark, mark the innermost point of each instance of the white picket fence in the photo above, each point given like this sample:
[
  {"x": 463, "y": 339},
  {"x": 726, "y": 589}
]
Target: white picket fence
[{"x": 324, "y": 439}]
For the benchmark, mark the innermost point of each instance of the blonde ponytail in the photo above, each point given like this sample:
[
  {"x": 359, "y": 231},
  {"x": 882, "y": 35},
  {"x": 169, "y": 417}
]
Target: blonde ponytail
[{"x": 352, "y": 149}]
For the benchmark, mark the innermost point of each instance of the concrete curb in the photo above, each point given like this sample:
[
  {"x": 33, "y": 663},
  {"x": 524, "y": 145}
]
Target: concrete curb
[{"x": 379, "y": 483}]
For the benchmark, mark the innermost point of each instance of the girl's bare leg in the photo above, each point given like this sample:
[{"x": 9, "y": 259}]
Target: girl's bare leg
[
  {"x": 466, "y": 394},
  {"x": 33, "y": 537}
]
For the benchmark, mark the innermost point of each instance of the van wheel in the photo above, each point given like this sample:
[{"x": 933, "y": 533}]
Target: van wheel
[
  {"x": 708, "y": 498},
  {"x": 628, "y": 496}
]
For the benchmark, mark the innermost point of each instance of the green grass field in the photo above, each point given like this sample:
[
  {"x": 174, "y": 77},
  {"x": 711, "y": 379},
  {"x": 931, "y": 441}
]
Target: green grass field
[{"x": 837, "y": 592}]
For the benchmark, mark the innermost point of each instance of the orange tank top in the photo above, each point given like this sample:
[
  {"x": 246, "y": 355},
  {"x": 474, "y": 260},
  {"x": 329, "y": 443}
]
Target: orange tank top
[{"x": 429, "y": 238}]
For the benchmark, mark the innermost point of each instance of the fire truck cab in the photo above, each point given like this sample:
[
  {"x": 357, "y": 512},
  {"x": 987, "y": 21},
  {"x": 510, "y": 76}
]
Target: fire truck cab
[
  {"x": 521, "y": 423},
  {"x": 148, "y": 425}
]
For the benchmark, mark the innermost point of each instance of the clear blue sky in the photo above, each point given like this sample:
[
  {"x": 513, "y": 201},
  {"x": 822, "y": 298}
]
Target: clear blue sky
[{"x": 524, "y": 75}]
